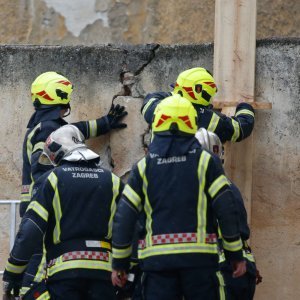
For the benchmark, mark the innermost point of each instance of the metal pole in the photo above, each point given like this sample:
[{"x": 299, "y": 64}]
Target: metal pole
[
  {"x": 12, "y": 231},
  {"x": 13, "y": 220}
]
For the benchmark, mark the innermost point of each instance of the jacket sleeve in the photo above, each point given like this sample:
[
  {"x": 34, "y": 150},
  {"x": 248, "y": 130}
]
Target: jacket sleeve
[
  {"x": 93, "y": 128},
  {"x": 244, "y": 228},
  {"x": 125, "y": 221},
  {"x": 225, "y": 210},
  {"x": 34, "y": 147},
  {"x": 238, "y": 127},
  {"x": 149, "y": 104},
  {"x": 29, "y": 239}
]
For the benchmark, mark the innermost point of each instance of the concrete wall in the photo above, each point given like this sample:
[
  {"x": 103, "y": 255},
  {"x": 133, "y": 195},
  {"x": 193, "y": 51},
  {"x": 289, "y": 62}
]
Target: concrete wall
[
  {"x": 90, "y": 22},
  {"x": 101, "y": 72}
]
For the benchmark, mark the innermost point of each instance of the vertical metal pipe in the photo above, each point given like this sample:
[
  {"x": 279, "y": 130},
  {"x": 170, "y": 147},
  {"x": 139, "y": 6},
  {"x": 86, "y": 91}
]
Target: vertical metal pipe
[{"x": 12, "y": 230}]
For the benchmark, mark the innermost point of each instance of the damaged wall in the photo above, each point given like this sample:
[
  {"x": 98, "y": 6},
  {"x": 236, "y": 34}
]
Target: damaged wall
[
  {"x": 91, "y": 22},
  {"x": 102, "y": 73}
]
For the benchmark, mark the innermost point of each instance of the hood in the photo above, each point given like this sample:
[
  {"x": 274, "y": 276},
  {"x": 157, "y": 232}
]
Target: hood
[
  {"x": 166, "y": 146},
  {"x": 45, "y": 114}
]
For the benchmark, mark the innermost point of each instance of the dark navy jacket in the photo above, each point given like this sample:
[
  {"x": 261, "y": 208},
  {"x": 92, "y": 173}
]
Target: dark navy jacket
[
  {"x": 72, "y": 207},
  {"x": 180, "y": 190},
  {"x": 233, "y": 129},
  {"x": 245, "y": 235},
  {"x": 42, "y": 123}
]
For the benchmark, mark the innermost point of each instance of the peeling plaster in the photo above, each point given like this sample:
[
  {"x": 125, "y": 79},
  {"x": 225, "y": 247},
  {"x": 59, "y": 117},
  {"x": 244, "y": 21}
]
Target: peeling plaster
[{"x": 78, "y": 14}]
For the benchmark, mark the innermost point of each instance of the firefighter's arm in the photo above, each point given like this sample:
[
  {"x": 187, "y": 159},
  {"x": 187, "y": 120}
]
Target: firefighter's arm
[
  {"x": 123, "y": 229},
  {"x": 239, "y": 126},
  {"x": 244, "y": 228},
  {"x": 149, "y": 104},
  {"x": 124, "y": 222},
  {"x": 245, "y": 115},
  {"x": 29, "y": 240},
  {"x": 34, "y": 223},
  {"x": 225, "y": 210},
  {"x": 102, "y": 125}
]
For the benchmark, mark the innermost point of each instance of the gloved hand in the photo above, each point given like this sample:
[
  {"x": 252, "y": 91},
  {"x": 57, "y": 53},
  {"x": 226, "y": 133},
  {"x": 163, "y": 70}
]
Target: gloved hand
[
  {"x": 11, "y": 289},
  {"x": 12, "y": 283},
  {"x": 115, "y": 115}
]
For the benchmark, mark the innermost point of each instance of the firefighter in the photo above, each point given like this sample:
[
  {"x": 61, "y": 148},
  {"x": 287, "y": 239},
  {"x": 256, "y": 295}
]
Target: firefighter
[
  {"x": 242, "y": 288},
  {"x": 177, "y": 191},
  {"x": 72, "y": 210},
  {"x": 51, "y": 94},
  {"x": 198, "y": 86}
]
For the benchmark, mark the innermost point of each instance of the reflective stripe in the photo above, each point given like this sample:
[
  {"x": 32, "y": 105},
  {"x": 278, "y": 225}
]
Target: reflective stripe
[
  {"x": 39, "y": 209},
  {"x": 133, "y": 197},
  {"x": 14, "y": 268},
  {"x": 147, "y": 207},
  {"x": 221, "y": 285},
  {"x": 215, "y": 187},
  {"x": 245, "y": 112},
  {"x": 178, "y": 238},
  {"x": 121, "y": 253},
  {"x": 44, "y": 296},
  {"x": 177, "y": 249},
  {"x": 38, "y": 146},
  {"x": 24, "y": 290},
  {"x": 78, "y": 264},
  {"x": 29, "y": 145},
  {"x": 236, "y": 130},
  {"x": 56, "y": 206},
  {"x": 113, "y": 206},
  {"x": 221, "y": 257},
  {"x": 214, "y": 121},
  {"x": 202, "y": 199},
  {"x": 151, "y": 100},
  {"x": 173, "y": 238},
  {"x": 25, "y": 197},
  {"x": 41, "y": 272},
  {"x": 248, "y": 255},
  {"x": 233, "y": 246},
  {"x": 93, "y": 128},
  {"x": 79, "y": 255}
]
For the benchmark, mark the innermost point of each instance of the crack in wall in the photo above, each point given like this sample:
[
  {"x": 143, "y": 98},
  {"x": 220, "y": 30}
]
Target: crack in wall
[
  {"x": 128, "y": 80},
  {"x": 152, "y": 56}
]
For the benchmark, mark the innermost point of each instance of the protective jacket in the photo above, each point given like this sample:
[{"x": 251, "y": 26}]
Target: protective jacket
[
  {"x": 72, "y": 208},
  {"x": 181, "y": 191},
  {"x": 245, "y": 235},
  {"x": 42, "y": 123},
  {"x": 233, "y": 129}
]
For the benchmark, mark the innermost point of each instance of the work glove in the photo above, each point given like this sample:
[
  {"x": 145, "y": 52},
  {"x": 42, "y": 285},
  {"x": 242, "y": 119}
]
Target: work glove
[
  {"x": 12, "y": 284},
  {"x": 115, "y": 115}
]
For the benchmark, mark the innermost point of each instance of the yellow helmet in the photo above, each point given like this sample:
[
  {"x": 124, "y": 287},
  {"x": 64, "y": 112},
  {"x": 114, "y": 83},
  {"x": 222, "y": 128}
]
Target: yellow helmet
[
  {"x": 51, "y": 88},
  {"x": 175, "y": 115},
  {"x": 196, "y": 85}
]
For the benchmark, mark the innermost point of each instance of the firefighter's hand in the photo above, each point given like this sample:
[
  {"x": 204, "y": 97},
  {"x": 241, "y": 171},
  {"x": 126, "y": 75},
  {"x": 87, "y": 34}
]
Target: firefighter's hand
[
  {"x": 239, "y": 268},
  {"x": 11, "y": 289},
  {"x": 118, "y": 278},
  {"x": 115, "y": 116},
  {"x": 12, "y": 283},
  {"x": 258, "y": 277}
]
